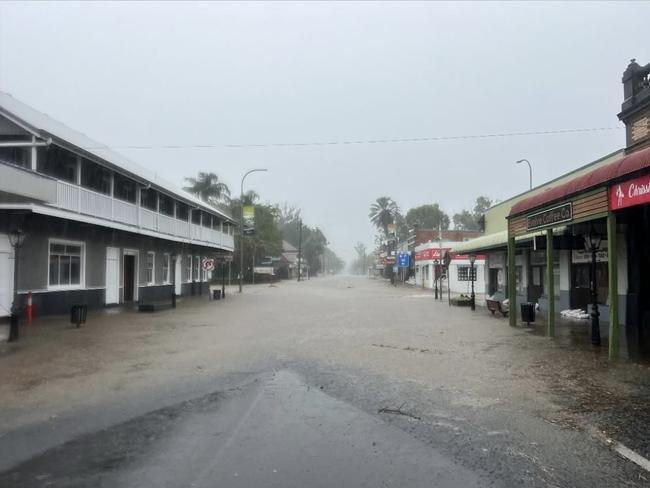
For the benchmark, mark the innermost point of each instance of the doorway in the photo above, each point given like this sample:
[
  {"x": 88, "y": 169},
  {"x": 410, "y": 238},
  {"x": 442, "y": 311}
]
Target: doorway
[
  {"x": 177, "y": 276},
  {"x": 112, "y": 275},
  {"x": 130, "y": 284},
  {"x": 6, "y": 276}
]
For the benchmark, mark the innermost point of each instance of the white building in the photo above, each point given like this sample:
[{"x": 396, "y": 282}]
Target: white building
[{"x": 429, "y": 266}]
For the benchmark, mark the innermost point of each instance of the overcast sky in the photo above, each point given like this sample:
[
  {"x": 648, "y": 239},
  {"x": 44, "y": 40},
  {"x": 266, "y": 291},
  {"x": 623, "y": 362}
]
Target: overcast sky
[{"x": 261, "y": 73}]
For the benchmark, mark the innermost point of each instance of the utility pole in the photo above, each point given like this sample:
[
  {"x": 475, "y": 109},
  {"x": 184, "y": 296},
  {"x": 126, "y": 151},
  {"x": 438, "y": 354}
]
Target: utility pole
[{"x": 300, "y": 250}]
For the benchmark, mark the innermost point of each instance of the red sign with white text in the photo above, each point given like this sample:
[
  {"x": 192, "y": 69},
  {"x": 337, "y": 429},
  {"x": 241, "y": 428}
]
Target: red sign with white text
[
  {"x": 434, "y": 253},
  {"x": 630, "y": 193}
]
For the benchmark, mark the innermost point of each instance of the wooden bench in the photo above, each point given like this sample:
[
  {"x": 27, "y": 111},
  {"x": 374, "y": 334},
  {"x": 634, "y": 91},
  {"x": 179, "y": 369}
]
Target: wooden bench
[{"x": 495, "y": 306}]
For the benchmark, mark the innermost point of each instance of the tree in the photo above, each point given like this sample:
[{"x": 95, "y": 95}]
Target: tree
[
  {"x": 383, "y": 212},
  {"x": 208, "y": 188},
  {"x": 359, "y": 264},
  {"x": 465, "y": 221},
  {"x": 474, "y": 220},
  {"x": 429, "y": 216},
  {"x": 287, "y": 213},
  {"x": 332, "y": 263}
]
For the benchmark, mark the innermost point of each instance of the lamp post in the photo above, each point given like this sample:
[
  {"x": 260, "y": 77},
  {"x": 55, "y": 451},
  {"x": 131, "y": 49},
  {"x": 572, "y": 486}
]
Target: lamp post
[
  {"x": 435, "y": 280},
  {"x": 472, "y": 260},
  {"x": 16, "y": 239},
  {"x": 530, "y": 171},
  {"x": 241, "y": 227},
  {"x": 592, "y": 244}
]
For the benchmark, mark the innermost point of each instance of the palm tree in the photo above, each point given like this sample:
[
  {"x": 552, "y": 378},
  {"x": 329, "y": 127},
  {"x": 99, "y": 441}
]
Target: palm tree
[
  {"x": 208, "y": 188},
  {"x": 383, "y": 212}
]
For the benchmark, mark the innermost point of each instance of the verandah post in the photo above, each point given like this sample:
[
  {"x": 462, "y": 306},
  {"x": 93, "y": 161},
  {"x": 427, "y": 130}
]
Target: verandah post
[
  {"x": 512, "y": 285},
  {"x": 612, "y": 265},
  {"x": 550, "y": 322}
]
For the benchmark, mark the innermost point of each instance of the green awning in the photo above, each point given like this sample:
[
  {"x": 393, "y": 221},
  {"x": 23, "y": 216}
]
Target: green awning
[{"x": 497, "y": 240}]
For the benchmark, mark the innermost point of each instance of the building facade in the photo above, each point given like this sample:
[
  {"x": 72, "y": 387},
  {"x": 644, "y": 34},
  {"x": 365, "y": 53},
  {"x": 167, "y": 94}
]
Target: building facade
[
  {"x": 98, "y": 229},
  {"x": 592, "y": 225}
]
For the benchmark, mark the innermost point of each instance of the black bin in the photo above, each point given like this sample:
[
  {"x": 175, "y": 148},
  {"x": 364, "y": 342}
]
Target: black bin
[
  {"x": 528, "y": 312},
  {"x": 78, "y": 314},
  {"x": 216, "y": 294}
]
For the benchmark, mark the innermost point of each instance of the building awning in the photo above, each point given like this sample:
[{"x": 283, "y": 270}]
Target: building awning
[
  {"x": 498, "y": 240},
  {"x": 490, "y": 241},
  {"x": 628, "y": 165}
]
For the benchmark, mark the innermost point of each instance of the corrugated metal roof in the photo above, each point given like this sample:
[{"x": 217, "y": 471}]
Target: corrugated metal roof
[
  {"x": 47, "y": 127},
  {"x": 630, "y": 164}
]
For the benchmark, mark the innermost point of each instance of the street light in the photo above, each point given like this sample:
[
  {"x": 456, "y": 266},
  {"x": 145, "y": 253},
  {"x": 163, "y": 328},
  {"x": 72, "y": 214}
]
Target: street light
[
  {"x": 241, "y": 228},
  {"x": 592, "y": 244},
  {"x": 472, "y": 260},
  {"x": 435, "y": 280},
  {"x": 530, "y": 171},
  {"x": 16, "y": 239}
]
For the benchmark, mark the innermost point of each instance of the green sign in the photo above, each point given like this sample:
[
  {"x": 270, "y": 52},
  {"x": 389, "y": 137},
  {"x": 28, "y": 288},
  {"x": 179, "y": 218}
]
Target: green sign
[{"x": 248, "y": 220}]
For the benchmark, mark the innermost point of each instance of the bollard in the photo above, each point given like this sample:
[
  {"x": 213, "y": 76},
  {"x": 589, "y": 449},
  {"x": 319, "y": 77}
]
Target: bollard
[
  {"x": 28, "y": 309},
  {"x": 173, "y": 299},
  {"x": 13, "y": 328},
  {"x": 78, "y": 314}
]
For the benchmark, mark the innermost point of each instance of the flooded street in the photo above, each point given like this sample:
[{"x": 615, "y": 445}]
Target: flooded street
[{"x": 333, "y": 381}]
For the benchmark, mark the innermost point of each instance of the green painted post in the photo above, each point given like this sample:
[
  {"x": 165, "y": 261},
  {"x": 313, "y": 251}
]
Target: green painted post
[
  {"x": 550, "y": 294},
  {"x": 612, "y": 265},
  {"x": 512, "y": 282}
]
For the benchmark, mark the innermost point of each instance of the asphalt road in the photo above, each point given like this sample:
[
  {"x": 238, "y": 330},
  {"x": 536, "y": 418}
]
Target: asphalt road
[{"x": 338, "y": 381}]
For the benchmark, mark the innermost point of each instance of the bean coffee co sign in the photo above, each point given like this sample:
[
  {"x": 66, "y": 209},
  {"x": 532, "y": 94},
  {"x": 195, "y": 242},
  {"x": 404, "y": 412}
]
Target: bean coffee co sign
[
  {"x": 555, "y": 215},
  {"x": 630, "y": 193}
]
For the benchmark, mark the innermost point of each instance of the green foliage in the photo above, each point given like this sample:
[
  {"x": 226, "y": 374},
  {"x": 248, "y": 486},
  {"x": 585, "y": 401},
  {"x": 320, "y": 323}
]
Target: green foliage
[
  {"x": 383, "y": 212},
  {"x": 475, "y": 220},
  {"x": 429, "y": 216},
  {"x": 208, "y": 188}
]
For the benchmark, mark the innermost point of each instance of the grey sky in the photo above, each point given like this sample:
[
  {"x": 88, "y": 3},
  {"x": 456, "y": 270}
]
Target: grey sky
[{"x": 157, "y": 74}]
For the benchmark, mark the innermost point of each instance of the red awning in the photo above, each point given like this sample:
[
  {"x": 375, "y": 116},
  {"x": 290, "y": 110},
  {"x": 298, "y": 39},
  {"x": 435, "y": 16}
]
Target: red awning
[{"x": 598, "y": 177}]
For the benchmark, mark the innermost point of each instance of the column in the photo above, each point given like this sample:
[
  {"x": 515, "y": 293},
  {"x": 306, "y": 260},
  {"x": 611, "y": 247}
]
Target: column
[
  {"x": 612, "y": 265},
  {"x": 550, "y": 293},
  {"x": 34, "y": 158},
  {"x": 512, "y": 281}
]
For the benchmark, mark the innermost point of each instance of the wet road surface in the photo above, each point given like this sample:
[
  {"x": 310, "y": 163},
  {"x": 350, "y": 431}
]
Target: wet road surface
[{"x": 337, "y": 381}]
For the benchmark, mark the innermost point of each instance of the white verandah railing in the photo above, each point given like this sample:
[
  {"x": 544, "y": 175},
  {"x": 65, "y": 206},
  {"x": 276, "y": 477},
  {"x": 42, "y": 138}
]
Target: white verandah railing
[{"x": 84, "y": 201}]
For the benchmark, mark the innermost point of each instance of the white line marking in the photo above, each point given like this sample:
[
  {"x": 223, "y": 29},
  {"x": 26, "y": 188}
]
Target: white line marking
[{"x": 632, "y": 456}]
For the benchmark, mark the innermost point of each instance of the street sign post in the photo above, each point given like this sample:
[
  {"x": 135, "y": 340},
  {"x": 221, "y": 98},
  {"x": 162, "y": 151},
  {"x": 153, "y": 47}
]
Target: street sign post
[{"x": 403, "y": 260}]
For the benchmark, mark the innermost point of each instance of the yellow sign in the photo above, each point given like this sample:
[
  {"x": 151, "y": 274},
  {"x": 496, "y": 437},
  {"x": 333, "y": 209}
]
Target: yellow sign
[{"x": 248, "y": 220}]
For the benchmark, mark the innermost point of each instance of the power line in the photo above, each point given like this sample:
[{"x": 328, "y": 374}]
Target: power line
[{"x": 367, "y": 141}]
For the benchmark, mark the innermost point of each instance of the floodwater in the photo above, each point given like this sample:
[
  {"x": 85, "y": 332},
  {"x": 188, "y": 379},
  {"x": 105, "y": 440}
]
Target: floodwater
[{"x": 324, "y": 368}]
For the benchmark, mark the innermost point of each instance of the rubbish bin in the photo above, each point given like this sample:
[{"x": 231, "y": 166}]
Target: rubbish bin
[
  {"x": 216, "y": 294},
  {"x": 78, "y": 314},
  {"x": 528, "y": 312}
]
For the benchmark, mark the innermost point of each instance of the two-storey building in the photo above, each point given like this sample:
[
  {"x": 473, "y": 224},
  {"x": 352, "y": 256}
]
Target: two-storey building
[{"x": 99, "y": 229}]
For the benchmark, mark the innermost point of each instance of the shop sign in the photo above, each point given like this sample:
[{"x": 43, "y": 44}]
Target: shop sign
[
  {"x": 555, "y": 215},
  {"x": 430, "y": 254},
  {"x": 580, "y": 256},
  {"x": 630, "y": 193}
]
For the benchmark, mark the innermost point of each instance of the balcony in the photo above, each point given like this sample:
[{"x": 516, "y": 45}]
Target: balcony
[
  {"x": 24, "y": 183},
  {"x": 87, "y": 202}
]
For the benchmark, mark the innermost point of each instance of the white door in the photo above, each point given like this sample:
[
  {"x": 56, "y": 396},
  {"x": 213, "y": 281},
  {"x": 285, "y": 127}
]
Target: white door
[
  {"x": 6, "y": 276},
  {"x": 177, "y": 275},
  {"x": 112, "y": 275}
]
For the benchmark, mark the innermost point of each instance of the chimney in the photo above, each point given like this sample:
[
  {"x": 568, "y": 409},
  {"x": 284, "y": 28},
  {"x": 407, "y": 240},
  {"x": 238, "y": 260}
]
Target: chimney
[{"x": 635, "y": 110}]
